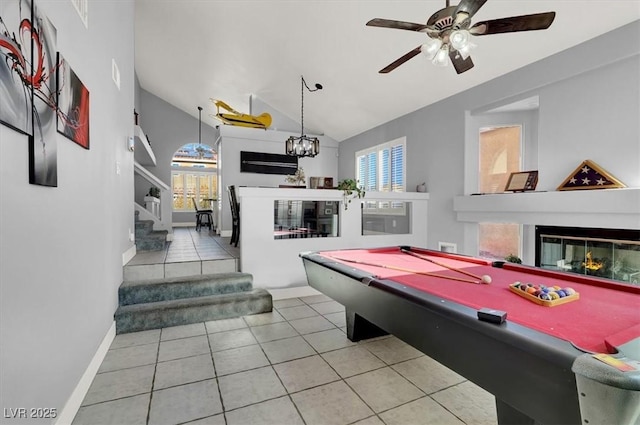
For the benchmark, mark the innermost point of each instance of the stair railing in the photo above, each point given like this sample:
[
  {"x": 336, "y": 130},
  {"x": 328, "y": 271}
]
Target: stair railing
[{"x": 164, "y": 220}]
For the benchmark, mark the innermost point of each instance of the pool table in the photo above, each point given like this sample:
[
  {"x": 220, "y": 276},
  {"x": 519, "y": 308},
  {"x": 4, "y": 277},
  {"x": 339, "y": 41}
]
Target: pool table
[{"x": 541, "y": 364}]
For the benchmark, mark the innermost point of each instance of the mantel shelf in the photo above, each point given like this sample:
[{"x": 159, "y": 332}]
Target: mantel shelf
[
  {"x": 606, "y": 208},
  {"x": 143, "y": 153}
]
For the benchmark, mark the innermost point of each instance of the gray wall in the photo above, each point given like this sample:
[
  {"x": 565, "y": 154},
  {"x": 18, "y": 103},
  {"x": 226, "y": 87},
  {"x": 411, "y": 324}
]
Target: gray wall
[
  {"x": 589, "y": 108},
  {"x": 61, "y": 249}
]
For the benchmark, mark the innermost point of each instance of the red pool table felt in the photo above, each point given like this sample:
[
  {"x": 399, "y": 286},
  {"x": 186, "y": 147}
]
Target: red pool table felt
[{"x": 606, "y": 315}]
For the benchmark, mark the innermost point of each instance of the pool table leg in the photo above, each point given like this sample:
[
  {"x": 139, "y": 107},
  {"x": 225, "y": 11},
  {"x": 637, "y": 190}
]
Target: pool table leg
[
  {"x": 360, "y": 328},
  {"x": 508, "y": 415}
]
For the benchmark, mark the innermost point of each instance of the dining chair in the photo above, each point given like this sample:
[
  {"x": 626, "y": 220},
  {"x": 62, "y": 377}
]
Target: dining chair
[
  {"x": 203, "y": 214},
  {"x": 235, "y": 215}
]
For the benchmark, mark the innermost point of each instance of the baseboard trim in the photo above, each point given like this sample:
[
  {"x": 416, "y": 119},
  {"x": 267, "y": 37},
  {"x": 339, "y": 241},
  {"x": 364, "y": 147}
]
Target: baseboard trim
[
  {"x": 298, "y": 291},
  {"x": 74, "y": 402},
  {"x": 128, "y": 255}
]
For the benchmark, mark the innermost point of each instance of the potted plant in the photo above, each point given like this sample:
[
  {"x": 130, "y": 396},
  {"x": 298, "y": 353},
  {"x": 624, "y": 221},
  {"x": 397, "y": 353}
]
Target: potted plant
[
  {"x": 350, "y": 190},
  {"x": 298, "y": 178},
  {"x": 512, "y": 258},
  {"x": 154, "y": 191}
]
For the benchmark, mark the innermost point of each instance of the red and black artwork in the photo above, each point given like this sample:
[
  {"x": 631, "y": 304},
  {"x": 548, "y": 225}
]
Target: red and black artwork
[
  {"x": 73, "y": 105},
  {"x": 28, "y": 86},
  {"x": 16, "y": 74}
]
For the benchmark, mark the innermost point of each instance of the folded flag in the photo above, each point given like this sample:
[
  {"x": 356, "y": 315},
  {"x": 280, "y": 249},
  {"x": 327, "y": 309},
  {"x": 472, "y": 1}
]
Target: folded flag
[{"x": 589, "y": 175}]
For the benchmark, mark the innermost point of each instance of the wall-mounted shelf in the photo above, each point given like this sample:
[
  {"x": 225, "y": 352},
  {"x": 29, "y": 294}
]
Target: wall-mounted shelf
[
  {"x": 605, "y": 208},
  {"x": 143, "y": 153}
]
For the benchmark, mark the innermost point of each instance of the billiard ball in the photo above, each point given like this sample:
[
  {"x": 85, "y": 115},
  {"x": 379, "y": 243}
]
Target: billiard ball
[{"x": 486, "y": 279}]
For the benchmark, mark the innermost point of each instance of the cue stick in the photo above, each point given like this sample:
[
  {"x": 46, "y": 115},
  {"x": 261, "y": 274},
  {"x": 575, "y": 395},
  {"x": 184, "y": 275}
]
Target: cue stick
[
  {"x": 440, "y": 264},
  {"x": 405, "y": 270}
]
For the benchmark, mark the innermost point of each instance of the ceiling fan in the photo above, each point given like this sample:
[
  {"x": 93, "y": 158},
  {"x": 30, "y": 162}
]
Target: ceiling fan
[{"x": 450, "y": 32}]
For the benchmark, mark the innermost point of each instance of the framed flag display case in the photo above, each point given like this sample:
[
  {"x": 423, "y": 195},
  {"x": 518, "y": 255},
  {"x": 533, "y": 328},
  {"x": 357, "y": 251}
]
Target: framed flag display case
[{"x": 590, "y": 175}]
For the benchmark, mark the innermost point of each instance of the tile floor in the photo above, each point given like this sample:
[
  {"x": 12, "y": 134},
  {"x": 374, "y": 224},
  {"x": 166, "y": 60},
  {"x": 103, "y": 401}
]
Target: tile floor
[
  {"x": 190, "y": 252},
  {"x": 292, "y": 366},
  {"x": 190, "y": 245}
]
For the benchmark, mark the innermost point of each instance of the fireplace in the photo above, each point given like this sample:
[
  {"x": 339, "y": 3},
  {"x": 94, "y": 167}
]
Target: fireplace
[{"x": 606, "y": 253}]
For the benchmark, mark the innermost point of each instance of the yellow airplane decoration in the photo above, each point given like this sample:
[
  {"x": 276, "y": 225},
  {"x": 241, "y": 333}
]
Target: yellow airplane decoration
[{"x": 233, "y": 117}]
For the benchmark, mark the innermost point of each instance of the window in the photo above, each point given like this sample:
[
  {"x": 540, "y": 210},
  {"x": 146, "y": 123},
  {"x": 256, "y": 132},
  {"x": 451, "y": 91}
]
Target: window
[
  {"x": 193, "y": 176},
  {"x": 382, "y": 169},
  {"x": 498, "y": 240},
  {"x": 500, "y": 155},
  {"x": 192, "y": 185}
]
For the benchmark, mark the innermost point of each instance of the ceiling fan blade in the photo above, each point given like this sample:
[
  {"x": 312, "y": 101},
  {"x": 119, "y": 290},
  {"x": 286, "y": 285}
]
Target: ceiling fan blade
[
  {"x": 401, "y": 25},
  {"x": 393, "y": 65},
  {"x": 470, "y": 7},
  {"x": 538, "y": 21},
  {"x": 459, "y": 63}
]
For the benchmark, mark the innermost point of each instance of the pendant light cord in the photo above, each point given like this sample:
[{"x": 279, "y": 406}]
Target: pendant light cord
[
  {"x": 302, "y": 106},
  {"x": 302, "y": 86},
  {"x": 199, "y": 125}
]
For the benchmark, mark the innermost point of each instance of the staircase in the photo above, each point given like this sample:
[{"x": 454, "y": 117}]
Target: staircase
[
  {"x": 148, "y": 239},
  {"x": 159, "y": 303}
]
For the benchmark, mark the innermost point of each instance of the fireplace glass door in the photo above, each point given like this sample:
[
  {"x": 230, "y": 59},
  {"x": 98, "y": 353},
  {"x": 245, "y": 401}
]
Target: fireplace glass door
[{"x": 602, "y": 255}]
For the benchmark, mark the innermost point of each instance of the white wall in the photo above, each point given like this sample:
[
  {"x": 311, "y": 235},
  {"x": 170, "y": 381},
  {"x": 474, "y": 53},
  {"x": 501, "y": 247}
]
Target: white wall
[
  {"x": 237, "y": 139},
  {"x": 589, "y": 108},
  {"x": 274, "y": 263},
  {"x": 61, "y": 249}
]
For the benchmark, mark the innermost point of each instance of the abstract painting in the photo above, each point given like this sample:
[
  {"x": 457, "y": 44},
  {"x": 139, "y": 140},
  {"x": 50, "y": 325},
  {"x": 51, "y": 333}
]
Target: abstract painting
[
  {"x": 16, "y": 95},
  {"x": 27, "y": 84},
  {"x": 43, "y": 148},
  {"x": 73, "y": 105}
]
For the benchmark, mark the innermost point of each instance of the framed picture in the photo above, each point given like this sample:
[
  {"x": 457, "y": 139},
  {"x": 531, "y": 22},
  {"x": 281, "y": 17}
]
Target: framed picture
[
  {"x": 522, "y": 181},
  {"x": 328, "y": 183},
  {"x": 314, "y": 182},
  {"x": 16, "y": 102},
  {"x": 73, "y": 105}
]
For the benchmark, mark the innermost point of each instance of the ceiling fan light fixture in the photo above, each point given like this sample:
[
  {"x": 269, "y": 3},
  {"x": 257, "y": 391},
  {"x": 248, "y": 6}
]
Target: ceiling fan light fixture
[
  {"x": 442, "y": 57},
  {"x": 460, "y": 39},
  {"x": 431, "y": 47},
  {"x": 465, "y": 52},
  {"x": 452, "y": 28}
]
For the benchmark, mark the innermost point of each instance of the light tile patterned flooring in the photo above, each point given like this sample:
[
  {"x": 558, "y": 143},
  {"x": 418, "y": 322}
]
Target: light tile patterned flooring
[
  {"x": 189, "y": 253},
  {"x": 189, "y": 245},
  {"x": 292, "y": 366}
]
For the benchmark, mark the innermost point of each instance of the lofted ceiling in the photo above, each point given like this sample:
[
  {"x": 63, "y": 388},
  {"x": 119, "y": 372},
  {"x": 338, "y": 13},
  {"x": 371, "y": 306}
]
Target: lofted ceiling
[{"x": 188, "y": 51}]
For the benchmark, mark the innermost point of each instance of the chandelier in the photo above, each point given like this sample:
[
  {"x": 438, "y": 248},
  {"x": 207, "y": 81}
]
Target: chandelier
[{"x": 303, "y": 145}]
